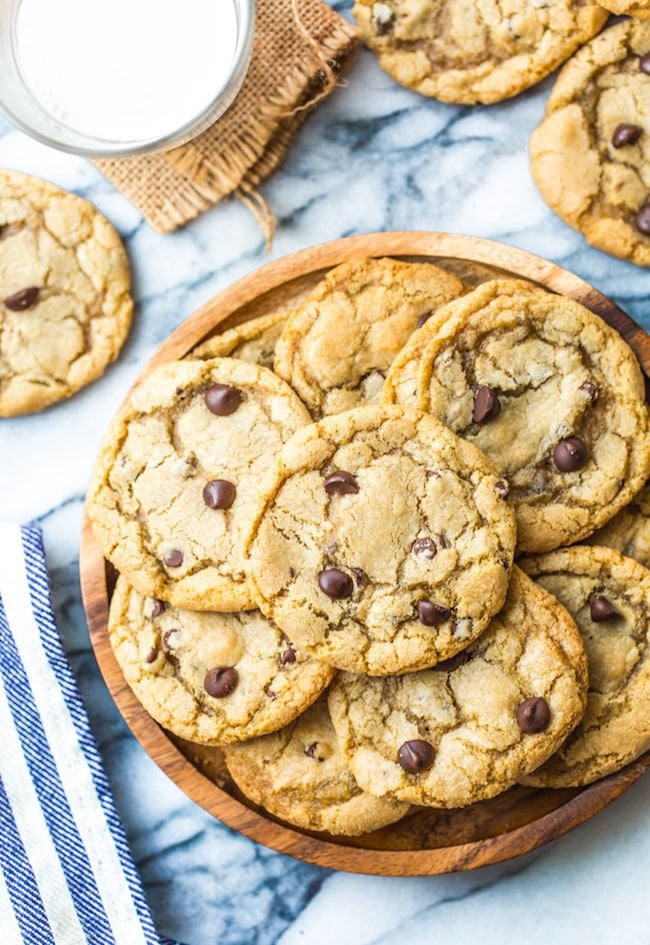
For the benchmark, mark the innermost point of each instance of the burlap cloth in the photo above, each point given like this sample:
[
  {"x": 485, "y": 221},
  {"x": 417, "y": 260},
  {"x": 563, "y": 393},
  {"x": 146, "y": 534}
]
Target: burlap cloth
[{"x": 300, "y": 49}]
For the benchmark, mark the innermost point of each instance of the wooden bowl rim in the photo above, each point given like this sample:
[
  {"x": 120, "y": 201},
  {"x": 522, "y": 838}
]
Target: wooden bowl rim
[{"x": 334, "y": 853}]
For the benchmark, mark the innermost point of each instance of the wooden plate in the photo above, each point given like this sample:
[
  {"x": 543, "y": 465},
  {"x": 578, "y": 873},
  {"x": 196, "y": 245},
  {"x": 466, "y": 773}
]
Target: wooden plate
[{"x": 428, "y": 841}]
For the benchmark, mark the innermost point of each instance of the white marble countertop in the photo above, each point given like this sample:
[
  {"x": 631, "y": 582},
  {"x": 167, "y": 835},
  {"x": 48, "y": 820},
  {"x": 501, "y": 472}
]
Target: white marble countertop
[{"x": 373, "y": 157}]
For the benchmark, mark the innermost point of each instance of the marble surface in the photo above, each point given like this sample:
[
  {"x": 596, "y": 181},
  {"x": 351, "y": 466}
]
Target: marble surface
[{"x": 373, "y": 157}]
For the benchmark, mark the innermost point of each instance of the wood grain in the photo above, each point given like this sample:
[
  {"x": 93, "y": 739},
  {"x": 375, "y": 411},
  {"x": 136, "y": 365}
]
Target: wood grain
[{"x": 427, "y": 841}]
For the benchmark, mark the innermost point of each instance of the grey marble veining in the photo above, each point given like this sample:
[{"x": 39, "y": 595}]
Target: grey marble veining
[{"x": 372, "y": 157}]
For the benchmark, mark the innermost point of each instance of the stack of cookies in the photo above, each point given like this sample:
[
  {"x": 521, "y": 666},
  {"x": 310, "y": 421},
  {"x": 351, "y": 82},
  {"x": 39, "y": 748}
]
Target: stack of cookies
[{"x": 315, "y": 517}]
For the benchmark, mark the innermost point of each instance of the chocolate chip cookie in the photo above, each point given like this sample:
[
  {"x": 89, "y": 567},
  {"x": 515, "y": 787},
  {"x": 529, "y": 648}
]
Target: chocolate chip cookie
[
  {"x": 299, "y": 775},
  {"x": 174, "y": 481},
  {"x": 211, "y": 678},
  {"x": 381, "y": 542},
  {"x": 590, "y": 156},
  {"x": 548, "y": 391},
  {"x": 253, "y": 341},
  {"x": 609, "y": 598},
  {"x": 629, "y": 530},
  {"x": 65, "y": 307},
  {"x": 474, "y": 52},
  {"x": 338, "y": 344},
  {"x": 639, "y": 8},
  {"x": 472, "y": 726}
]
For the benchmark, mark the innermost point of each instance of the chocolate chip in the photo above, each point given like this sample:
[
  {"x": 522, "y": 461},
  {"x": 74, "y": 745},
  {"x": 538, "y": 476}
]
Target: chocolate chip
[
  {"x": 462, "y": 626},
  {"x": 22, "y": 299},
  {"x": 626, "y": 134},
  {"x": 221, "y": 399},
  {"x": 424, "y": 548},
  {"x": 433, "y": 474},
  {"x": 422, "y": 319},
  {"x": 318, "y": 750},
  {"x": 644, "y": 63},
  {"x": 642, "y": 220},
  {"x": 341, "y": 483},
  {"x": 384, "y": 26},
  {"x": 173, "y": 558},
  {"x": 486, "y": 405},
  {"x": 168, "y": 638},
  {"x": 219, "y": 494},
  {"x": 360, "y": 577},
  {"x": 431, "y": 614},
  {"x": 590, "y": 390},
  {"x": 383, "y": 18},
  {"x": 570, "y": 454},
  {"x": 502, "y": 489},
  {"x": 152, "y": 654},
  {"x": 415, "y": 755},
  {"x": 270, "y": 694},
  {"x": 533, "y": 715},
  {"x": 221, "y": 681},
  {"x": 454, "y": 662},
  {"x": 601, "y": 609},
  {"x": 288, "y": 656},
  {"x": 157, "y": 607},
  {"x": 335, "y": 583},
  {"x": 292, "y": 573}
]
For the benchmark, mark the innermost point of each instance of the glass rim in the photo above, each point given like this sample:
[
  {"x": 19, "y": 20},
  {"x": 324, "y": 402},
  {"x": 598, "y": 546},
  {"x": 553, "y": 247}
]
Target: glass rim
[{"x": 92, "y": 146}]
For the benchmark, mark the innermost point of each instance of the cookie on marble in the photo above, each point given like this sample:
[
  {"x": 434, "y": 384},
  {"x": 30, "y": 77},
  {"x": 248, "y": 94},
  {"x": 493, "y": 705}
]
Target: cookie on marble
[
  {"x": 299, "y": 775},
  {"x": 608, "y": 596},
  {"x": 338, "y": 344},
  {"x": 469, "y": 52},
  {"x": 212, "y": 678},
  {"x": 629, "y": 530},
  {"x": 548, "y": 391},
  {"x": 381, "y": 542},
  {"x": 590, "y": 154},
  {"x": 173, "y": 484},
  {"x": 253, "y": 341},
  {"x": 472, "y": 726},
  {"x": 65, "y": 307}
]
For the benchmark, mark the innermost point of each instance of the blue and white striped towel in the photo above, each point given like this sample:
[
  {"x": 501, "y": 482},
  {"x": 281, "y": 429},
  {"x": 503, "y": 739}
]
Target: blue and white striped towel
[{"x": 66, "y": 873}]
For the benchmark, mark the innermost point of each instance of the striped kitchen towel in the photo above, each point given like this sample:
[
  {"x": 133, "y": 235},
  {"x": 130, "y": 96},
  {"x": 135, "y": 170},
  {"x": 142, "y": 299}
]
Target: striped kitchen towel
[{"x": 66, "y": 873}]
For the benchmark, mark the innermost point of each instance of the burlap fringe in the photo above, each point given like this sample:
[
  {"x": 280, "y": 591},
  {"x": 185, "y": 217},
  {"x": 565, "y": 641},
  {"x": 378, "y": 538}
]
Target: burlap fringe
[
  {"x": 296, "y": 96},
  {"x": 327, "y": 67},
  {"x": 260, "y": 210}
]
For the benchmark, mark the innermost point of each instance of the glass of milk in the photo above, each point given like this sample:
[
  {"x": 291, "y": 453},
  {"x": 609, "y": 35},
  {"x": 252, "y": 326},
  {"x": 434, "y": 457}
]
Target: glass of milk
[{"x": 112, "y": 78}]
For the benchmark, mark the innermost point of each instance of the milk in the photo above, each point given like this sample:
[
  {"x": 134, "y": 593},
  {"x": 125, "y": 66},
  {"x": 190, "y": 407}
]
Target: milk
[{"x": 125, "y": 70}]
